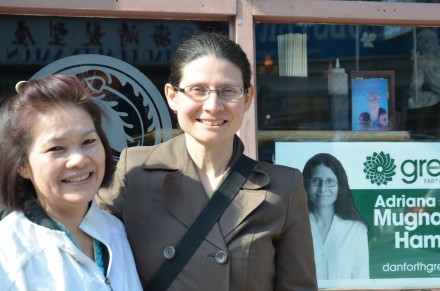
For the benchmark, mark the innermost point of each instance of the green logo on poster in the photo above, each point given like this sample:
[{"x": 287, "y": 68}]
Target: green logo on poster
[{"x": 379, "y": 168}]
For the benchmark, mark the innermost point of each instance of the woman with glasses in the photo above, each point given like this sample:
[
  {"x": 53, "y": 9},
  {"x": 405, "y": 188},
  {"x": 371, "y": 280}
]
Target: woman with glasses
[
  {"x": 262, "y": 241},
  {"x": 339, "y": 233}
]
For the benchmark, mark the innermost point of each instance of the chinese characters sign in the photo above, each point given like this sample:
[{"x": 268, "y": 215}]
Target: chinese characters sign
[{"x": 41, "y": 40}]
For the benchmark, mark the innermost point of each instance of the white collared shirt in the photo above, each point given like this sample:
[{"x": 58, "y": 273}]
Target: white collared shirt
[{"x": 344, "y": 253}]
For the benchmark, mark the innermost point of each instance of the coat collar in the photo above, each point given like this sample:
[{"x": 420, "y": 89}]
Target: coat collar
[
  {"x": 173, "y": 156},
  {"x": 183, "y": 192},
  {"x": 35, "y": 213}
]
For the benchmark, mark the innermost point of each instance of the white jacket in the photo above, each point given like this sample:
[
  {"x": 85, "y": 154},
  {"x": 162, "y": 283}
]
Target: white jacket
[{"x": 35, "y": 257}]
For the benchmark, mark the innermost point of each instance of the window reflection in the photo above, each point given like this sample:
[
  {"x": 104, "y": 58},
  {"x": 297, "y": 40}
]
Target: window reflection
[
  {"x": 105, "y": 52},
  {"x": 304, "y": 104}
]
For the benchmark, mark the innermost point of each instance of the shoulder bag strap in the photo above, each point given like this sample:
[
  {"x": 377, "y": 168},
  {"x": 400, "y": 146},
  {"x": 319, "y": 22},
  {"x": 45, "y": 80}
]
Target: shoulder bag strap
[{"x": 194, "y": 236}]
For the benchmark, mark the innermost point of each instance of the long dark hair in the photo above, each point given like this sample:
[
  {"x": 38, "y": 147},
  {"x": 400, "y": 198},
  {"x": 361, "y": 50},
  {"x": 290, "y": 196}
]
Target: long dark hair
[{"x": 344, "y": 205}]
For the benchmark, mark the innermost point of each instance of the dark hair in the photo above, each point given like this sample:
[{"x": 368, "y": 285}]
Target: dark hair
[
  {"x": 205, "y": 44},
  {"x": 344, "y": 205},
  {"x": 18, "y": 114}
]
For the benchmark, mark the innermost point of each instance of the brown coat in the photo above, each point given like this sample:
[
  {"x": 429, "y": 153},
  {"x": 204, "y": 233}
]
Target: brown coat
[{"x": 265, "y": 232}]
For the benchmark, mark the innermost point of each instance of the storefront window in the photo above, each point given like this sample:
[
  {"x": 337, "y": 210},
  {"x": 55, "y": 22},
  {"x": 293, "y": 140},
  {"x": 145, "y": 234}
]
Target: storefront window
[
  {"x": 301, "y": 108},
  {"x": 353, "y": 108},
  {"x": 126, "y": 61}
]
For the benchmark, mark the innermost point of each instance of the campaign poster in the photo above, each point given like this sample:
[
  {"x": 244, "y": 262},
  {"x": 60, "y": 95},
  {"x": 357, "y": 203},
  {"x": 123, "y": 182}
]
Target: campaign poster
[{"x": 395, "y": 189}]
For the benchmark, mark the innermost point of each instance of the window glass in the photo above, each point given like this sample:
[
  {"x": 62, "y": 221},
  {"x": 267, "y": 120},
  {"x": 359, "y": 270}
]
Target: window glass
[
  {"x": 356, "y": 110},
  {"x": 325, "y": 103},
  {"x": 126, "y": 61}
]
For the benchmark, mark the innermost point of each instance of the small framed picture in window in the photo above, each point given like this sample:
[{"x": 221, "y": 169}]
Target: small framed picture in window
[{"x": 372, "y": 96}]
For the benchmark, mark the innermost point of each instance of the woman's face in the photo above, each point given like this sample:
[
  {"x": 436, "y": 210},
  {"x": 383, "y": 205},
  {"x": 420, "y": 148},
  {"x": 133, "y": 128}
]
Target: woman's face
[
  {"x": 215, "y": 120},
  {"x": 66, "y": 159},
  {"x": 321, "y": 194}
]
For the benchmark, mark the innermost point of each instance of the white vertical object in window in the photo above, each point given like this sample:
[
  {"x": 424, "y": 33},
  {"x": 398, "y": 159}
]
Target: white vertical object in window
[{"x": 292, "y": 55}]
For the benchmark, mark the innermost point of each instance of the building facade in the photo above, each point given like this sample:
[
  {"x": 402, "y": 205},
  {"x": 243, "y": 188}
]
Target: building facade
[{"x": 319, "y": 66}]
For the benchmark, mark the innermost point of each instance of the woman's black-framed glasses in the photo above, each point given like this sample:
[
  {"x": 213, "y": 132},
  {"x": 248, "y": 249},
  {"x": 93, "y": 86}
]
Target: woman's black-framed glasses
[
  {"x": 328, "y": 182},
  {"x": 200, "y": 93}
]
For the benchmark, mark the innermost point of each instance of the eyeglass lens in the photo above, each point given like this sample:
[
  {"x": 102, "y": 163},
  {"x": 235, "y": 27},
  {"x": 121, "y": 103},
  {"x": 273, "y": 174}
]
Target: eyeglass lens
[
  {"x": 319, "y": 181},
  {"x": 203, "y": 93}
]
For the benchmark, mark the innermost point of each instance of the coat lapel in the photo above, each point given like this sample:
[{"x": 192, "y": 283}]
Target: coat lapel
[
  {"x": 184, "y": 195},
  {"x": 191, "y": 201},
  {"x": 247, "y": 200}
]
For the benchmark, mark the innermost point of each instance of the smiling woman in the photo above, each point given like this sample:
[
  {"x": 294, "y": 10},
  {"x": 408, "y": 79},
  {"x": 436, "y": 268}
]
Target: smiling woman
[
  {"x": 54, "y": 156},
  {"x": 66, "y": 161},
  {"x": 262, "y": 241},
  {"x": 336, "y": 224}
]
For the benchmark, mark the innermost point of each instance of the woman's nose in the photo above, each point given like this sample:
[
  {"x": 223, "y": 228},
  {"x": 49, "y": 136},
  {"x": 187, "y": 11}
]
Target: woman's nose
[
  {"x": 77, "y": 158},
  {"x": 322, "y": 186},
  {"x": 214, "y": 102}
]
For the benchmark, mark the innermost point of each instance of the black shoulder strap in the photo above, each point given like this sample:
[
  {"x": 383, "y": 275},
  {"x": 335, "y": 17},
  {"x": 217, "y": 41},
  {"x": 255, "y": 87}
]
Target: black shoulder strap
[{"x": 194, "y": 236}]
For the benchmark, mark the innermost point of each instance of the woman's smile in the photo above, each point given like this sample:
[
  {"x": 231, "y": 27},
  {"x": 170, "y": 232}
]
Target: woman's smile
[
  {"x": 77, "y": 178},
  {"x": 212, "y": 122}
]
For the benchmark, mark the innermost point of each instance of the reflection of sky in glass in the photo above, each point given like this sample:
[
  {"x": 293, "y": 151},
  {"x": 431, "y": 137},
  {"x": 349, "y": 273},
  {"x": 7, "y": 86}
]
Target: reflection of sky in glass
[{"x": 135, "y": 107}]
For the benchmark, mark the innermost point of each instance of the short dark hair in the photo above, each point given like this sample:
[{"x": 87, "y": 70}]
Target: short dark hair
[
  {"x": 210, "y": 43},
  {"x": 344, "y": 205},
  {"x": 18, "y": 114}
]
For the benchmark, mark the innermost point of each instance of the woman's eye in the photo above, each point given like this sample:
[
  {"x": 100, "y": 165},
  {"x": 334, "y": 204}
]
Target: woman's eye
[
  {"x": 55, "y": 149},
  {"x": 89, "y": 141},
  {"x": 198, "y": 91},
  {"x": 229, "y": 90}
]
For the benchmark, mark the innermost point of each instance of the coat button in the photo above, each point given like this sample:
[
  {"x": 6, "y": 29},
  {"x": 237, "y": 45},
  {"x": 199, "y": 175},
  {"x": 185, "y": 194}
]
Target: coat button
[
  {"x": 169, "y": 252},
  {"x": 221, "y": 257}
]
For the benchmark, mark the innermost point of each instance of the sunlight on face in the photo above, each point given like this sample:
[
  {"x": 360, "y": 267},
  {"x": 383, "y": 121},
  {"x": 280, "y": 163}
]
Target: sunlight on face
[
  {"x": 66, "y": 160},
  {"x": 215, "y": 120}
]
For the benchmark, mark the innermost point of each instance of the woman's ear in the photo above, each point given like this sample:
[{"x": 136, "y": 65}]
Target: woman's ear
[
  {"x": 171, "y": 95},
  {"x": 24, "y": 171},
  {"x": 249, "y": 97}
]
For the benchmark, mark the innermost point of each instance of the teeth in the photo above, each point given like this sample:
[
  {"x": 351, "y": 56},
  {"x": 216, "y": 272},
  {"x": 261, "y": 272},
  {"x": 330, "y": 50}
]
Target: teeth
[
  {"x": 77, "y": 179},
  {"x": 211, "y": 122}
]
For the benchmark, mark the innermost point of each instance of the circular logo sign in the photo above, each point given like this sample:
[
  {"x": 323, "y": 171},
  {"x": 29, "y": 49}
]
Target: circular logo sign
[{"x": 137, "y": 111}]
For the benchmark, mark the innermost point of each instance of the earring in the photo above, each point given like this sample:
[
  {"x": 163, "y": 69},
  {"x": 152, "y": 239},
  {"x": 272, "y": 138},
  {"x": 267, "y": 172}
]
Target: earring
[{"x": 19, "y": 87}]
